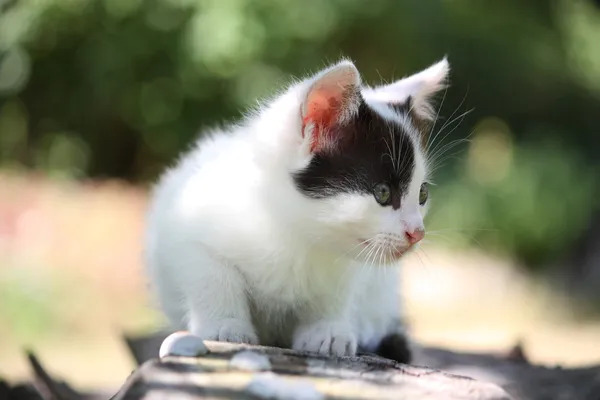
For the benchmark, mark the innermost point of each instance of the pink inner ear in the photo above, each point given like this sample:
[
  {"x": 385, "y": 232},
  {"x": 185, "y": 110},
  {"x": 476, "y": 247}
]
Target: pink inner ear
[{"x": 323, "y": 110}]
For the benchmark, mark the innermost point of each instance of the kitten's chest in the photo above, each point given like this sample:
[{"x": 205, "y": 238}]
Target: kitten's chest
[
  {"x": 280, "y": 287},
  {"x": 294, "y": 283},
  {"x": 282, "y": 298}
]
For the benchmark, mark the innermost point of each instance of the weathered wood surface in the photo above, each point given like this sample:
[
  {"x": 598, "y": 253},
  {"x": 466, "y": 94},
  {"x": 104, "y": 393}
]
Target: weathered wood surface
[
  {"x": 297, "y": 375},
  {"x": 512, "y": 372},
  {"x": 367, "y": 376}
]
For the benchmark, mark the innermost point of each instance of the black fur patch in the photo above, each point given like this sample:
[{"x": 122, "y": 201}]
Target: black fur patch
[
  {"x": 395, "y": 347},
  {"x": 370, "y": 150}
]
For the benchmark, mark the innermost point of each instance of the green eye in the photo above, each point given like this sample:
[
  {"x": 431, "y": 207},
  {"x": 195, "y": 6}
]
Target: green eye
[
  {"x": 423, "y": 194},
  {"x": 382, "y": 193}
]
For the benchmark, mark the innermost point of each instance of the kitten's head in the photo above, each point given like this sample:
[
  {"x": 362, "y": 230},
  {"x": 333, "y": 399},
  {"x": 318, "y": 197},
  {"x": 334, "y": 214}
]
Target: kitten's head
[{"x": 364, "y": 168}]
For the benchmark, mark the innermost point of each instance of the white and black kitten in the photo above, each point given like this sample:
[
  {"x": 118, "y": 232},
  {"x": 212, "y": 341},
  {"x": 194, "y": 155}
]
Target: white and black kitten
[{"x": 281, "y": 229}]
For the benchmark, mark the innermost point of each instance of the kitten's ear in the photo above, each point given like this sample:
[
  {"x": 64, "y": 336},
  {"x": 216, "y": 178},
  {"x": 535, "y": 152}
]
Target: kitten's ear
[
  {"x": 332, "y": 100},
  {"x": 416, "y": 89}
]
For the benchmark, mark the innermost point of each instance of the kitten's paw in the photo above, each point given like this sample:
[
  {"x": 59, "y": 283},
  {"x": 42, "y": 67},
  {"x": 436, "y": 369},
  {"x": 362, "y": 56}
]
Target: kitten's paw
[
  {"x": 327, "y": 338},
  {"x": 228, "y": 330}
]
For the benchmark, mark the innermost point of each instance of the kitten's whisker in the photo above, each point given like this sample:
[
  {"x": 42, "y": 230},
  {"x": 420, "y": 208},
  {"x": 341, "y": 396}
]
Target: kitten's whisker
[
  {"x": 382, "y": 81},
  {"x": 393, "y": 152},
  {"x": 435, "y": 120},
  {"x": 425, "y": 254},
  {"x": 437, "y": 234},
  {"x": 374, "y": 256},
  {"x": 372, "y": 246},
  {"x": 420, "y": 260},
  {"x": 390, "y": 152},
  {"x": 368, "y": 242},
  {"x": 448, "y": 146},
  {"x": 458, "y": 118},
  {"x": 440, "y": 163},
  {"x": 463, "y": 229},
  {"x": 445, "y": 237},
  {"x": 399, "y": 158},
  {"x": 436, "y": 151},
  {"x": 449, "y": 118},
  {"x": 441, "y": 149},
  {"x": 433, "y": 159},
  {"x": 378, "y": 255},
  {"x": 443, "y": 233},
  {"x": 403, "y": 160},
  {"x": 382, "y": 257},
  {"x": 426, "y": 267}
]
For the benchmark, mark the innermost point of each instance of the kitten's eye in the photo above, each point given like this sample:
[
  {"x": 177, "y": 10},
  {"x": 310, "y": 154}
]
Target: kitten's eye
[
  {"x": 382, "y": 193},
  {"x": 423, "y": 194}
]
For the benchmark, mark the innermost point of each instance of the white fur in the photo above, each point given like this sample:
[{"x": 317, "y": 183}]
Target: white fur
[
  {"x": 236, "y": 253},
  {"x": 420, "y": 86}
]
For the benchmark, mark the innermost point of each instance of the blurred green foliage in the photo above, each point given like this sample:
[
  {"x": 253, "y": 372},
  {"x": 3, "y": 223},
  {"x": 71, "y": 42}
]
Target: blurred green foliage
[
  {"x": 530, "y": 201},
  {"x": 115, "y": 88},
  {"x": 26, "y": 303}
]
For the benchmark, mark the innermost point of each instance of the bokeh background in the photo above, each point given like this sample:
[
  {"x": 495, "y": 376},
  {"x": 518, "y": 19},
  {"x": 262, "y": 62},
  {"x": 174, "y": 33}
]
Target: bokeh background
[{"x": 97, "y": 96}]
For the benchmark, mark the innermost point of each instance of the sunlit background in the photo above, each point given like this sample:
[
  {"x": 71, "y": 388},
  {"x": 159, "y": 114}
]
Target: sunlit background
[{"x": 97, "y": 96}]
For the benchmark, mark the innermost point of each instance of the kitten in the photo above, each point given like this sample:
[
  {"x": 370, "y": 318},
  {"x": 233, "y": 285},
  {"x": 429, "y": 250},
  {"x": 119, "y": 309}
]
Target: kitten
[{"x": 281, "y": 229}]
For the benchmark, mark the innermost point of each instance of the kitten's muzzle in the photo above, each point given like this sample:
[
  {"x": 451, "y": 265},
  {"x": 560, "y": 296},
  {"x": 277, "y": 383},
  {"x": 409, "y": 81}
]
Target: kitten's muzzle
[
  {"x": 415, "y": 236},
  {"x": 394, "y": 245}
]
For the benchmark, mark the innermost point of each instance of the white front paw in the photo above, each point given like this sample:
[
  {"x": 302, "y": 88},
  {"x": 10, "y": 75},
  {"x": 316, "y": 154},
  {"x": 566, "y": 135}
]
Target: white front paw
[
  {"x": 226, "y": 330},
  {"x": 328, "y": 338}
]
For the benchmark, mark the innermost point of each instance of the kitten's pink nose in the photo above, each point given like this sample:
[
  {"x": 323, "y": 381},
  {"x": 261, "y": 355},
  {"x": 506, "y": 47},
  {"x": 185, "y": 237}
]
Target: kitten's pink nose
[{"x": 415, "y": 236}]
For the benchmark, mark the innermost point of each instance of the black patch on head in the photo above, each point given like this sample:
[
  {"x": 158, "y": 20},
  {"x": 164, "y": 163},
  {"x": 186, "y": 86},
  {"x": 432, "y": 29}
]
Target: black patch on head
[
  {"x": 370, "y": 150},
  {"x": 422, "y": 125}
]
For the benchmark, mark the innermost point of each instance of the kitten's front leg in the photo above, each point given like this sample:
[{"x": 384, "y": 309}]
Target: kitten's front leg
[
  {"x": 381, "y": 328},
  {"x": 216, "y": 296}
]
